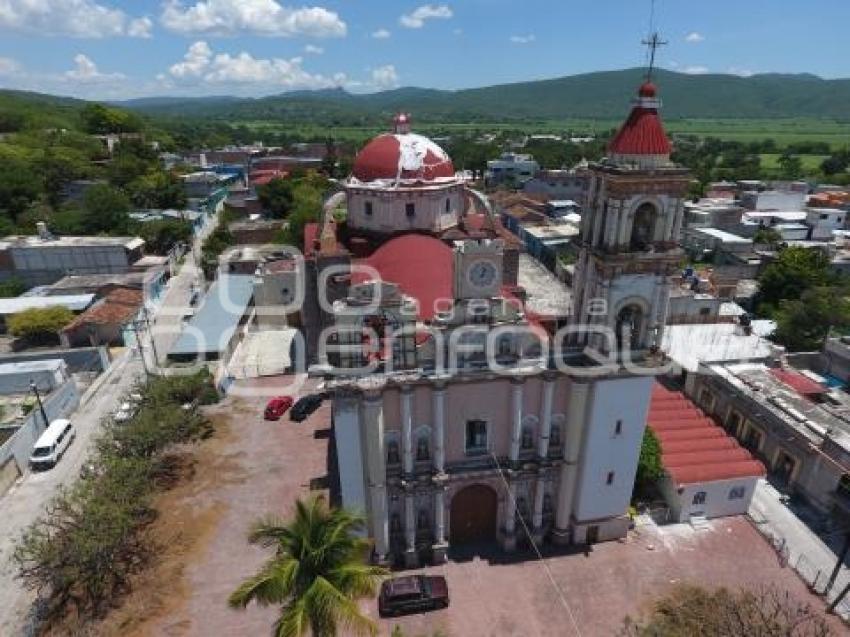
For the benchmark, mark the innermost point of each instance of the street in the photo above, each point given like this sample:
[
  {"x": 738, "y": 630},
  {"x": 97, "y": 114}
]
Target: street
[
  {"x": 806, "y": 551},
  {"x": 25, "y": 501}
]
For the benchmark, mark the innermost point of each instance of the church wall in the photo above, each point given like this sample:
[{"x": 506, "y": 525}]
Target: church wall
[
  {"x": 491, "y": 402},
  {"x": 346, "y": 419},
  {"x": 389, "y": 208},
  {"x": 604, "y": 451}
]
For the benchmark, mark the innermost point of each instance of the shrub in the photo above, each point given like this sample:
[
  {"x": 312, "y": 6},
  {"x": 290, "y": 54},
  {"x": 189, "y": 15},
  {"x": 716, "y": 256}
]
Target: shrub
[{"x": 39, "y": 325}]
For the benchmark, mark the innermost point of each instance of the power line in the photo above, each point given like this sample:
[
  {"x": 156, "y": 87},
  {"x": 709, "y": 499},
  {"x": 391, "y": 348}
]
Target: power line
[{"x": 540, "y": 557}]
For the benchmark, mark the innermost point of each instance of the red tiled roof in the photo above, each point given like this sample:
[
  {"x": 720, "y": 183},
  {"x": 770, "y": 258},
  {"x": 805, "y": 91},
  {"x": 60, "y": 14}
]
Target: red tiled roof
[
  {"x": 642, "y": 133},
  {"x": 798, "y": 382},
  {"x": 117, "y": 308},
  {"x": 693, "y": 448},
  {"x": 422, "y": 267}
]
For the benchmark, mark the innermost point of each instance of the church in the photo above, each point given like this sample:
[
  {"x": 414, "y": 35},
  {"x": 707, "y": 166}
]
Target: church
[{"x": 459, "y": 417}]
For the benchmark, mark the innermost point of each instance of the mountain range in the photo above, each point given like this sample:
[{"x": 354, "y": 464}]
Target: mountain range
[{"x": 600, "y": 95}]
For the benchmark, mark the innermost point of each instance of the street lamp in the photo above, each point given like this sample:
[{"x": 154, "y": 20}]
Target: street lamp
[{"x": 34, "y": 388}]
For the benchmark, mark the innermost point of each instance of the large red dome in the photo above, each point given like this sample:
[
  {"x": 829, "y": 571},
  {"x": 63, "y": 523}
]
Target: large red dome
[{"x": 402, "y": 156}]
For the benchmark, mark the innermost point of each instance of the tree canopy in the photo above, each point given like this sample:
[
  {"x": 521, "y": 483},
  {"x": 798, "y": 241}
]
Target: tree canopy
[{"x": 39, "y": 325}]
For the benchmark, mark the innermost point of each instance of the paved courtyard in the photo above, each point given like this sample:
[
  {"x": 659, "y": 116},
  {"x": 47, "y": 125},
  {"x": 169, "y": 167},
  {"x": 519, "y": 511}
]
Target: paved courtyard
[{"x": 253, "y": 468}]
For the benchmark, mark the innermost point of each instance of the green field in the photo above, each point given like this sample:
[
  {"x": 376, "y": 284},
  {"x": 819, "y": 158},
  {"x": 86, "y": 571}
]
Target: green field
[
  {"x": 782, "y": 131},
  {"x": 811, "y": 163}
]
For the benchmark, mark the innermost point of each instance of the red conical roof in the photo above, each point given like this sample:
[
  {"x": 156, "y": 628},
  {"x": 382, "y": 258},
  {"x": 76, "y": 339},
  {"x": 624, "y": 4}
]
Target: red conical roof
[{"x": 643, "y": 133}]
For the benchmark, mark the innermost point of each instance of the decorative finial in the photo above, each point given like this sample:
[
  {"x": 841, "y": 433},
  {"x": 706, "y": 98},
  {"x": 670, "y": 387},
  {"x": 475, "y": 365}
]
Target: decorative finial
[{"x": 401, "y": 124}]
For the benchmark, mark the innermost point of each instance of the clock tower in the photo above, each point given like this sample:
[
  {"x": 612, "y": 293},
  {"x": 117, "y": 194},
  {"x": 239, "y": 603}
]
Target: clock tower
[
  {"x": 630, "y": 235},
  {"x": 478, "y": 268}
]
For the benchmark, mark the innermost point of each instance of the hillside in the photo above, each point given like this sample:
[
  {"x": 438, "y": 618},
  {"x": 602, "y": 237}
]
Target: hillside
[
  {"x": 19, "y": 108},
  {"x": 601, "y": 95}
]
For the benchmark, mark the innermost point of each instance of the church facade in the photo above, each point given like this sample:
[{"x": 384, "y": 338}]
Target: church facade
[{"x": 458, "y": 419}]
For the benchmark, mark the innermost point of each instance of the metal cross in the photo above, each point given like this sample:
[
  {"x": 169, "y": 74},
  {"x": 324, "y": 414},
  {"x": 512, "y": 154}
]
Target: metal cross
[{"x": 653, "y": 43}]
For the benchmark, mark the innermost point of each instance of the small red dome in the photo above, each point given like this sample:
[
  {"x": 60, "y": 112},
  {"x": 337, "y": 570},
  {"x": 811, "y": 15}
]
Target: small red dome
[
  {"x": 404, "y": 156},
  {"x": 647, "y": 89}
]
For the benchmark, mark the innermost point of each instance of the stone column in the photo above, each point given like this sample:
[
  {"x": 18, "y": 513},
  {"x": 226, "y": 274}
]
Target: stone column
[
  {"x": 439, "y": 416},
  {"x": 545, "y": 417},
  {"x": 372, "y": 434},
  {"x": 406, "y": 396},
  {"x": 516, "y": 415},
  {"x": 576, "y": 415},
  {"x": 509, "y": 535},
  {"x": 411, "y": 559},
  {"x": 537, "y": 512},
  {"x": 440, "y": 545}
]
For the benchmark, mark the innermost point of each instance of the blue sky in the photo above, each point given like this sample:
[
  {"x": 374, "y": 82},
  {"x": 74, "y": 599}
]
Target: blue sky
[{"x": 118, "y": 48}]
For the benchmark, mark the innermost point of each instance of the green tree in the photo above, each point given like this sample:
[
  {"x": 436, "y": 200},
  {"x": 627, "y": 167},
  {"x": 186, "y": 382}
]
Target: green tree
[
  {"x": 19, "y": 187},
  {"x": 650, "y": 469},
  {"x": 698, "y": 612},
  {"x": 105, "y": 210},
  {"x": 157, "y": 190},
  {"x": 39, "y": 325},
  {"x": 790, "y": 166},
  {"x": 317, "y": 573},
  {"x": 767, "y": 235},
  {"x": 161, "y": 235},
  {"x": 795, "y": 270},
  {"x": 11, "y": 288},
  {"x": 804, "y": 323},
  {"x": 98, "y": 119},
  {"x": 277, "y": 197}
]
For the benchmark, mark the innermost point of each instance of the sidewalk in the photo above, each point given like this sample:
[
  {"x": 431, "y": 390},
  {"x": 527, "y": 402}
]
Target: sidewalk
[{"x": 806, "y": 552}]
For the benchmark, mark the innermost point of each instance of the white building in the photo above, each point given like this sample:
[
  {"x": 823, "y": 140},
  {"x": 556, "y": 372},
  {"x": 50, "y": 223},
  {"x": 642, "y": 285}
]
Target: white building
[
  {"x": 452, "y": 424},
  {"x": 824, "y": 222},
  {"x": 511, "y": 168}
]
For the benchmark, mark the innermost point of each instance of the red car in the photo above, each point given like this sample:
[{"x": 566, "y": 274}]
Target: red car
[
  {"x": 277, "y": 407},
  {"x": 412, "y": 594}
]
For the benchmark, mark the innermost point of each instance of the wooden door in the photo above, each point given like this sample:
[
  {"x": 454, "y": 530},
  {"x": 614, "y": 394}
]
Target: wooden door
[{"x": 474, "y": 511}]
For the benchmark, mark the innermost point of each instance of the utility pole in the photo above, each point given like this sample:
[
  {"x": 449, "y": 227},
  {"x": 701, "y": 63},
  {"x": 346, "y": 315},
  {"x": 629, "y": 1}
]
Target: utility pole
[
  {"x": 34, "y": 388},
  {"x": 150, "y": 333},
  {"x": 841, "y": 557}
]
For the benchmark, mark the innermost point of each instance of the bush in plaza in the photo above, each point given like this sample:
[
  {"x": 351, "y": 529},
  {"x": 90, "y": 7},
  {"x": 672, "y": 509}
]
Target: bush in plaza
[
  {"x": 692, "y": 610},
  {"x": 80, "y": 555}
]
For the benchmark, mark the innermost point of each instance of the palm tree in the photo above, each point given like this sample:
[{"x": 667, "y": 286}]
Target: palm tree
[{"x": 317, "y": 573}]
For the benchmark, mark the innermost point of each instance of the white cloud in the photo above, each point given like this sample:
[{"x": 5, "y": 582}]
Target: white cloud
[
  {"x": 259, "y": 17},
  {"x": 695, "y": 69},
  {"x": 86, "y": 71},
  {"x": 381, "y": 34},
  {"x": 315, "y": 50},
  {"x": 8, "y": 67},
  {"x": 523, "y": 39},
  {"x": 200, "y": 64},
  {"x": 694, "y": 37},
  {"x": 140, "y": 28},
  {"x": 742, "y": 72},
  {"x": 197, "y": 59},
  {"x": 74, "y": 18},
  {"x": 385, "y": 77},
  {"x": 416, "y": 20}
]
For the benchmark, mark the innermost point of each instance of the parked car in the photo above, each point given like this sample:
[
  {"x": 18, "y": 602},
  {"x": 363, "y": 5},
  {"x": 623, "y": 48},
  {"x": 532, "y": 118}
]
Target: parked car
[
  {"x": 276, "y": 407},
  {"x": 124, "y": 412},
  {"x": 53, "y": 443},
  {"x": 305, "y": 406},
  {"x": 412, "y": 594}
]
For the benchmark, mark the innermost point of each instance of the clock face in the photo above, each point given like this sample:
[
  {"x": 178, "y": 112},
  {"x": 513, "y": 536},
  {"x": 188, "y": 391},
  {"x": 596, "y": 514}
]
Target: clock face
[{"x": 482, "y": 274}]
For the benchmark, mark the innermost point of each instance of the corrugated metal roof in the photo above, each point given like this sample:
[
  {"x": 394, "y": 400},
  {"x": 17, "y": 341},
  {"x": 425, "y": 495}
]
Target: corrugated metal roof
[
  {"x": 215, "y": 321},
  {"x": 74, "y": 302}
]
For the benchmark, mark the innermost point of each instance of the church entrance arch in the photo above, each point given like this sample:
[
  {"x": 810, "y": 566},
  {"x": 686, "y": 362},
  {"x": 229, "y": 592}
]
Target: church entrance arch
[{"x": 474, "y": 511}]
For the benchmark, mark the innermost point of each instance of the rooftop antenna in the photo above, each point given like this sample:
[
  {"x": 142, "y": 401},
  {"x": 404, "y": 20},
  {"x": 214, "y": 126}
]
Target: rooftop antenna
[{"x": 653, "y": 43}]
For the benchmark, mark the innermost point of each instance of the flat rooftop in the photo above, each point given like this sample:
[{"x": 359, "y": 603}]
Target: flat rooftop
[
  {"x": 74, "y": 302},
  {"x": 689, "y": 345},
  {"x": 547, "y": 295},
  {"x": 726, "y": 237},
  {"x": 34, "y": 241}
]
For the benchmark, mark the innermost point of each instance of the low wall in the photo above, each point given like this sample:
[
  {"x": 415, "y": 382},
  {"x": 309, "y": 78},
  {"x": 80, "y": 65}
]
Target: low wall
[
  {"x": 59, "y": 404},
  {"x": 80, "y": 359}
]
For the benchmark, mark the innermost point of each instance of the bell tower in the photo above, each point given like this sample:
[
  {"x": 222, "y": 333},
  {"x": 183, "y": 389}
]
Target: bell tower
[{"x": 630, "y": 234}]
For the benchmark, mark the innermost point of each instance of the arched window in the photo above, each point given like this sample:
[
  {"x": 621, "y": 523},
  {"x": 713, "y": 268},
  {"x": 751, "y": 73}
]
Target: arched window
[
  {"x": 392, "y": 452},
  {"x": 423, "y": 520},
  {"x": 555, "y": 435},
  {"x": 423, "y": 453},
  {"x": 629, "y": 327},
  {"x": 643, "y": 227}
]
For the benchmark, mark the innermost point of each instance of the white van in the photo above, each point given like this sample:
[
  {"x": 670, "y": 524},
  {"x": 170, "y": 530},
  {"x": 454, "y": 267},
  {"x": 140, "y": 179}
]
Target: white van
[{"x": 51, "y": 445}]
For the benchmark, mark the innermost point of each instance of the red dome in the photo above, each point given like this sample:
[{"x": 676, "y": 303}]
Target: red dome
[
  {"x": 405, "y": 156},
  {"x": 647, "y": 89}
]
